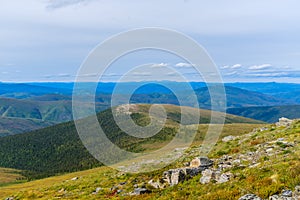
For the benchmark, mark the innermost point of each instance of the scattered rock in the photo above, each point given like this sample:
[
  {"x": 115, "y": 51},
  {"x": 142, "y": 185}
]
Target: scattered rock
[
  {"x": 61, "y": 190},
  {"x": 139, "y": 191},
  {"x": 223, "y": 178},
  {"x": 174, "y": 176},
  {"x": 74, "y": 179},
  {"x": 236, "y": 162},
  {"x": 297, "y": 191},
  {"x": 274, "y": 197},
  {"x": 228, "y": 138},
  {"x": 209, "y": 174},
  {"x": 287, "y": 193},
  {"x": 119, "y": 191},
  {"x": 206, "y": 176},
  {"x": 98, "y": 189},
  {"x": 155, "y": 185},
  {"x": 10, "y": 198},
  {"x": 250, "y": 197},
  {"x": 263, "y": 129}
]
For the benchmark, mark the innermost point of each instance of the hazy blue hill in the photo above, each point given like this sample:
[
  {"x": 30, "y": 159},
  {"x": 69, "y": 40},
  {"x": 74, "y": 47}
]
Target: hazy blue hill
[
  {"x": 11, "y": 126},
  {"x": 24, "y": 90},
  {"x": 269, "y": 113},
  {"x": 23, "y": 115},
  {"x": 237, "y": 97},
  {"x": 271, "y": 88},
  {"x": 295, "y": 95},
  {"x": 51, "y": 97}
]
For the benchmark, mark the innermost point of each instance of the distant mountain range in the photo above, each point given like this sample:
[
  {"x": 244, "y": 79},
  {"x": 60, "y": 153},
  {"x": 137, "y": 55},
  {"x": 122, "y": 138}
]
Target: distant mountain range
[
  {"x": 44, "y": 104},
  {"x": 269, "y": 114}
]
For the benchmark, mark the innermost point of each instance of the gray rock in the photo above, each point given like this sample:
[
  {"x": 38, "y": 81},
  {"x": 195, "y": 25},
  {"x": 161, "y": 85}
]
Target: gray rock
[
  {"x": 206, "y": 176},
  {"x": 223, "y": 178},
  {"x": 274, "y": 197},
  {"x": 98, "y": 189},
  {"x": 250, "y": 197},
  {"x": 119, "y": 191},
  {"x": 155, "y": 185},
  {"x": 228, "y": 138},
  {"x": 174, "y": 176},
  {"x": 139, "y": 191},
  {"x": 287, "y": 193},
  {"x": 74, "y": 179},
  {"x": 297, "y": 191}
]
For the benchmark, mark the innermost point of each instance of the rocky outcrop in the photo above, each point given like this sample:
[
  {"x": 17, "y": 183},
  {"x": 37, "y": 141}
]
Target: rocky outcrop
[
  {"x": 284, "y": 122},
  {"x": 197, "y": 165}
]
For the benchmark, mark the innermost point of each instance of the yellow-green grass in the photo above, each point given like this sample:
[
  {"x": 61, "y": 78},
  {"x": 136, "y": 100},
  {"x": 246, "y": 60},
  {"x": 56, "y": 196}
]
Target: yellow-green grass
[
  {"x": 102, "y": 177},
  {"x": 9, "y": 176}
]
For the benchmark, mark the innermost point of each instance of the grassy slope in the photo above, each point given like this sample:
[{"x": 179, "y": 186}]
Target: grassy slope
[
  {"x": 268, "y": 114},
  {"x": 9, "y": 176},
  {"x": 58, "y": 149},
  {"x": 274, "y": 174}
]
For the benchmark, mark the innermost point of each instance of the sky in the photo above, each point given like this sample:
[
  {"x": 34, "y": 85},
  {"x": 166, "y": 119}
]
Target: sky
[{"x": 249, "y": 41}]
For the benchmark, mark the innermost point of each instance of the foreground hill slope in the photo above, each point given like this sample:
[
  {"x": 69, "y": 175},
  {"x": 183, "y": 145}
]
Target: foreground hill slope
[
  {"x": 58, "y": 148},
  {"x": 269, "y": 163}
]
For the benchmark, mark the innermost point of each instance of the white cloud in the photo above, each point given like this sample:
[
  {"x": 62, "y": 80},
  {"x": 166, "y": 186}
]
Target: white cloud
[
  {"x": 257, "y": 67},
  {"x": 183, "y": 65},
  {"x": 159, "y": 65},
  {"x": 236, "y": 66},
  {"x": 231, "y": 73},
  {"x": 64, "y": 75},
  {"x": 279, "y": 74},
  {"x": 54, "y": 4},
  {"x": 141, "y": 74},
  {"x": 171, "y": 73}
]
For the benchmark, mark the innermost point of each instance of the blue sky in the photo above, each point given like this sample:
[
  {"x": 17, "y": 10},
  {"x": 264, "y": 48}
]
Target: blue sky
[{"x": 47, "y": 40}]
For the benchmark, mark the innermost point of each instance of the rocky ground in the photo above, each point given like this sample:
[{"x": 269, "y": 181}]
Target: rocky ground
[{"x": 220, "y": 170}]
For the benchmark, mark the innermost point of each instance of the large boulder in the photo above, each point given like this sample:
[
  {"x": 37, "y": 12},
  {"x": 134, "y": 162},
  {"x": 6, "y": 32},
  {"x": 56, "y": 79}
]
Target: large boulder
[{"x": 197, "y": 165}]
